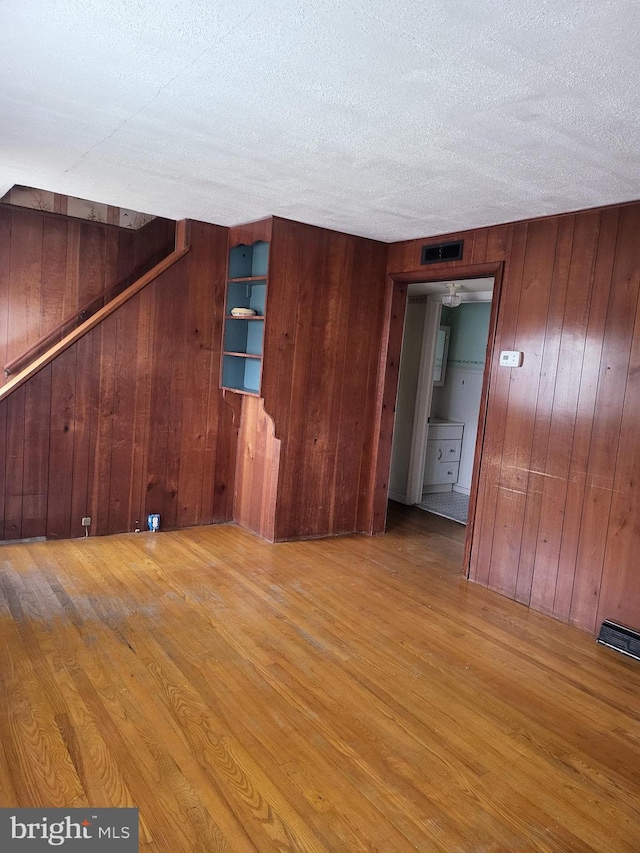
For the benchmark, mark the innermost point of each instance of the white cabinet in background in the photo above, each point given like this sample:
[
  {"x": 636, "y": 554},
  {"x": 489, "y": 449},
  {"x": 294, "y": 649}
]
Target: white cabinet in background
[{"x": 444, "y": 445}]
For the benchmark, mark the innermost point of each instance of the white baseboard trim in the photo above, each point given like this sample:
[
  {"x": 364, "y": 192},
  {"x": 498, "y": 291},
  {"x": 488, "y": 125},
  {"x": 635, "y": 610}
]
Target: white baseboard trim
[
  {"x": 462, "y": 490},
  {"x": 396, "y": 496}
]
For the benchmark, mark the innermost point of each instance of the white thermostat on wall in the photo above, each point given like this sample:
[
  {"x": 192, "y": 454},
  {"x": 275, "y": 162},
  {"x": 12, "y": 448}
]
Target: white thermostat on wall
[{"x": 511, "y": 358}]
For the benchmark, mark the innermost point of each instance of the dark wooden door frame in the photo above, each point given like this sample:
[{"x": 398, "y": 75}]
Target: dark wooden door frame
[{"x": 389, "y": 366}]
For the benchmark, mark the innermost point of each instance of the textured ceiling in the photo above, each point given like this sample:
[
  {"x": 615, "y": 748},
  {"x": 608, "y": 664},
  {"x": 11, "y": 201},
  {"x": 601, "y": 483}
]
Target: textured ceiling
[{"x": 391, "y": 120}]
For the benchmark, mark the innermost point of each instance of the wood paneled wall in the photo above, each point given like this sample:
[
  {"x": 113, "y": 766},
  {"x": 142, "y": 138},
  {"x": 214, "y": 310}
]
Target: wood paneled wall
[
  {"x": 257, "y": 468},
  {"x": 129, "y": 419},
  {"x": 325, "y": 305},
  {"x": 558, "y": 513},
  {"x": 51, "y": 265}
]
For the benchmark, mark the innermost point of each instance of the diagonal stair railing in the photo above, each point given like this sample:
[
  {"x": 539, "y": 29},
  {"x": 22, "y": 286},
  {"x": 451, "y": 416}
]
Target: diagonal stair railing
[{"x": 43, "y": 351}]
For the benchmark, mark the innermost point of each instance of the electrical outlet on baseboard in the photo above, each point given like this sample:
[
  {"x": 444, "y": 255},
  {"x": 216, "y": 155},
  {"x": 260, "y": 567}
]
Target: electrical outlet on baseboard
[{"x": 86, "y": 520}]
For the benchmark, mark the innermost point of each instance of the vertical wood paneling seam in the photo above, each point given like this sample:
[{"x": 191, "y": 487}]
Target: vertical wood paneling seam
[
  {"x": 144, "y": 473},
  {"x": 282, "y": 424},
  {"x": 73, "y": 455},
  {"x": 41, "y": 299},
  {"x": 174, "y": 378},
  {"x": 535, "y": 419},
  {"x": 3, "y": 464},
  {"x": 636, "y": 332},
  {"x": 475, "y": 504},
  {"x": 108, "y": 467},
  {"x": 380, "y": 387},
  {"x": 82, "y": 453},
  {"x": 573, "y": 435},
  {"x": 484, "y": 484},
  {"x": 151, "y": 298},
  {"x": 340, "y": 372},
  {"x": 92, "y": 420},
  {"x": 41, "y": 230},
  {"x": 213, "y": 383},
  {"x": 5, "y": 326},
  {"x": 510, "y": 284},
  {"x": 371, "y": 365},
  {"x": 472, "y": 254},
  {"x": 370, "y": 477},
  {"x": 597, "y": 394},
  {"x": 23, "y": 398}
]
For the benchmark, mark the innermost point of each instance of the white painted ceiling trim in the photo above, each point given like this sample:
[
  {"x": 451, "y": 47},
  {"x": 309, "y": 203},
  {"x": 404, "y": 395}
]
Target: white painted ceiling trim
[{"x": 390, "y": 120}]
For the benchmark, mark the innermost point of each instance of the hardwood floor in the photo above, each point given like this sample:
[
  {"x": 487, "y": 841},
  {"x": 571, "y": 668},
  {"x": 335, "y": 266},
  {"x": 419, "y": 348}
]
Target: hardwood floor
[{"x": 351, "y": 694}]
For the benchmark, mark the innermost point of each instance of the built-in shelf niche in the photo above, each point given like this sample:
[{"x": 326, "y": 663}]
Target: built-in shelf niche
[{"x": 243, "y": 336}]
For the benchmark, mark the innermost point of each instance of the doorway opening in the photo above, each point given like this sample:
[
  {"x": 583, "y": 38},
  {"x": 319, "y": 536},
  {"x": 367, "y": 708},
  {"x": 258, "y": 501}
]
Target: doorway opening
[{"x": 440, "y": 392}]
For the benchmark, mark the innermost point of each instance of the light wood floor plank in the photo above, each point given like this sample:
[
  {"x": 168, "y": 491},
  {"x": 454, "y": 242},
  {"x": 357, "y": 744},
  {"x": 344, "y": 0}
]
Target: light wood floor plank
[{"x": 353, "y": 694}]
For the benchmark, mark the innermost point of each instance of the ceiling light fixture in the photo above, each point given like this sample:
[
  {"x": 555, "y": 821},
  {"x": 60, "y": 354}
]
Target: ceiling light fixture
[{"x": 453, "y": 298}]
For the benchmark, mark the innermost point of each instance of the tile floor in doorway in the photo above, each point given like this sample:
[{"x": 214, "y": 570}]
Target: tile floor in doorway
[{"x": 451, "y": 505}]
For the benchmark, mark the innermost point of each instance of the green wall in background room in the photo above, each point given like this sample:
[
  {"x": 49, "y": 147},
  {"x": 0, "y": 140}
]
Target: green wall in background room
[{"x": 469, "y": 325}]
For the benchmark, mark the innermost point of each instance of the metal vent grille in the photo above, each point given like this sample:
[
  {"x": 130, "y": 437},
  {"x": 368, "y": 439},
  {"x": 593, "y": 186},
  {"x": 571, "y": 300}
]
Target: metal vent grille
[
  {"x": 439, "y": 252},
  {"x": 621, "y": 639}
]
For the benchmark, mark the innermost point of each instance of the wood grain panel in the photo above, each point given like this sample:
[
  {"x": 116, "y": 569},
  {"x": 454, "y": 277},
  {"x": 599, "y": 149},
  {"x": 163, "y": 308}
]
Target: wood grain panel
[
  {"x": 553, "y": 521},
  {"x": 207, "y": 277},
  {"x": 140, "y": 433},
  {"x": 316, "y": 411},
  {"x": 178, "y": 374},
  {"x": 550, "y": 527},
  {"x": 128, "y": 384},
  {"x": 54, "y": 302},
  {"x": 104, "y": 366},
  {"x": 257, "y": 468},
  {"x": 3, "y": 465},
  {"x": 92, "y": 260},
  {"x": 581, "y": 439},
  {"x": 326, "y": 294},
  {"x": 567, "y": 345},
  {"x": 101, "y": 431},
  {"x": 262, "y": 229},
  {"x": 605, "y": 436},
  {"x": 14, "y": 463},
  {"x": 514, "y": 479},
  {"x": 25, "y": 281},
  {"x": 354, "y": 477},
  {"x": 385, "y": 404},
  {"x": 62, "y": 425},
  {"x": 620, "y": 589},
  {"x": 5, "y": 284},
  {"x": 36, "y": 458},
  {"x": 195, "y": 408},
  {"x": 84, "y": 426},
  {"x": 480, "y": 558},
  {"x": 541, "y": 451},
  {"x": 159, "y": 409},
  {"x": 59, "y": 265}
]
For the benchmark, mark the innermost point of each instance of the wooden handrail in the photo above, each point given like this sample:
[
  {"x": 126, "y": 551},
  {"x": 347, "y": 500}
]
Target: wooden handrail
[
  {"x": 55, "y": 350},
  {"x": 83, "y": 313}
]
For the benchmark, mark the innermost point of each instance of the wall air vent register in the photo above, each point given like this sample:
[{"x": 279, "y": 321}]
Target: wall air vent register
[{"x": 439, "y": 252}]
